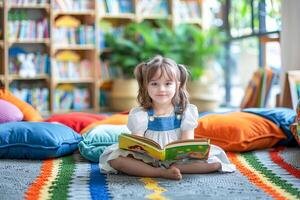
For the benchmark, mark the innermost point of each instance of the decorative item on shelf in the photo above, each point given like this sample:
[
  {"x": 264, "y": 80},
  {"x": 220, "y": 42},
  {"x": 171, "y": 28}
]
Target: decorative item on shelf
[
  {"x": 68, "y": 65},
  {"x": 69, "y": 31},
  {"x": 27, "y": 68},
  {"x": 27, "y": 64}
]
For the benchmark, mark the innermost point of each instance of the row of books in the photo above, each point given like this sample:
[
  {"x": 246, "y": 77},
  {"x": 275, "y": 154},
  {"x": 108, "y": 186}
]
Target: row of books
[
  {"x": 84, "y": 34},
  {"x": 116, "y": 31},
  {"x": 73, "y": 5},
  {"x": 186, "y": 9},
  {"x": 258, "y": 90},
  {"x": 153, "y": 7},
  {"x": 27, "y": 2},
  {"x": 68, "y": 97},
  {"x": 20, "y": 27},
  {"x": 71, "y": 69},
  {"x": 115, "y": 6},
  {"x": 107, "y": 72},
  {"x": 40, "y": 62},
  {"x": 182, "y": 9},
  {"x": 38, "y": 97}
]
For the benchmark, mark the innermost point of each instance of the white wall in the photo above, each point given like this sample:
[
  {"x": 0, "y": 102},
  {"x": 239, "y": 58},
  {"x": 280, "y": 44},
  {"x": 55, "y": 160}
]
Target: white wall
[{"x": 290, "y": 37}]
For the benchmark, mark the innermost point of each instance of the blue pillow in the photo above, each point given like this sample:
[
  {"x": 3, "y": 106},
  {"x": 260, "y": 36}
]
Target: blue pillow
[
  {"x": 36, "y": 140},
  {"x": 96, "y": 140},
  {"x": 282, "y": 117}
]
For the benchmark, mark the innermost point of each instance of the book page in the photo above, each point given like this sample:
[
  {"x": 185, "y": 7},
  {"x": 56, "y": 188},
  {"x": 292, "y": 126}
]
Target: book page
[
  {"x": 138, "y": 144},
  {"x": 188, "y": 142},
  {"x": 145, "y": 140},
  {"x": 192, "y": 151}
]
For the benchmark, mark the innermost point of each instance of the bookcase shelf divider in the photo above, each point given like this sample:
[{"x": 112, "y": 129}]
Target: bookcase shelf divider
[{"x": 90, "y": 15}]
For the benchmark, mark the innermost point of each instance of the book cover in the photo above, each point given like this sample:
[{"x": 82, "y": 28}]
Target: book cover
[{"x": 193, "y": 149}]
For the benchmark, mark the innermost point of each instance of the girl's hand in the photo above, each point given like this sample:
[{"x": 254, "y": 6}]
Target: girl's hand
[
  {"x": 138, "y": 134},
  {"x": 185, "y": 135}
]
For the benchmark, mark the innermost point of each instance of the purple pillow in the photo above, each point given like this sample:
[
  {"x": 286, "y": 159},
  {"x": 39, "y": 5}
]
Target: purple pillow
[{"x": 9, "y": 112}]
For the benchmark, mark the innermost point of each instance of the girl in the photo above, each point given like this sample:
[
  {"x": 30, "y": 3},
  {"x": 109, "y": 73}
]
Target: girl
[{"x": 164, "y": 116}]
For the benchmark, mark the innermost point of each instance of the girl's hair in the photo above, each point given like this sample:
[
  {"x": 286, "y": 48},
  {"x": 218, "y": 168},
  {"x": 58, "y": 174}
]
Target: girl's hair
[
  {"x": 145, "y": 71},
  {"x": 1, "y": 84}
]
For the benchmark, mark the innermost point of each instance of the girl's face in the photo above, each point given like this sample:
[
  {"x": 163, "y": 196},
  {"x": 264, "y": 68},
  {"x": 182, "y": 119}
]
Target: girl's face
[{"x": 161, "y": 89}]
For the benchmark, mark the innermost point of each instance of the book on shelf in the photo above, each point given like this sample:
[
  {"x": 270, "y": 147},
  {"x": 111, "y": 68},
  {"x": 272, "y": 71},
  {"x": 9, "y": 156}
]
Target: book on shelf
[
  {"x": 22, "y": 28},
  {"x": 72, "y": 5},
  {"x": 69, "y": 97},
  {"x": 153, "y": 7},
  {"x": 192, "y": 148},
  {"x": 36, "y": 95}
]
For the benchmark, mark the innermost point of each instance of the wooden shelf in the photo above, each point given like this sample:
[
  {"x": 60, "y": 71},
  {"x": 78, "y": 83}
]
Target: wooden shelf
[
  {"x": 153, "y": 17},
  {"x": 29, "y": 41},
  {"x": 91, "y": 16},
  {"x": 36, "y": 77},
  {"x": 196, "y": 21},
  {"x": 75, "y": 47},
  {"x": 104, "y": 50},
  {"x": 45, "y": 6},
  {"x": 129, "y": 16},
  {"x": 82, "y": 12},
  {"x": 78, "y": 80},
  {"x": 73, "y": 110}
]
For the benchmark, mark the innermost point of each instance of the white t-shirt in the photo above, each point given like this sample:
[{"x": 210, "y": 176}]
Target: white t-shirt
[{"x": 138, "y": 123}]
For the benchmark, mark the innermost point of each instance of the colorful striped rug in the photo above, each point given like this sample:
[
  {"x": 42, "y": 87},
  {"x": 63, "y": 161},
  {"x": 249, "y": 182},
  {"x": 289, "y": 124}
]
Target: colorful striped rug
[{"x": 265, "y": 174}]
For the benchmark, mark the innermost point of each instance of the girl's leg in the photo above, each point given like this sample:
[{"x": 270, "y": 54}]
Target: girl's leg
[
  {"x": 198, "y": 167},
  {"x": 135, "y": 167}
]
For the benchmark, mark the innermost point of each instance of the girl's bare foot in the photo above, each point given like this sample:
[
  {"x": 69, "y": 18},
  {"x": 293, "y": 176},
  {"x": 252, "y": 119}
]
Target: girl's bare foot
[{"x": 172, "y": 173}]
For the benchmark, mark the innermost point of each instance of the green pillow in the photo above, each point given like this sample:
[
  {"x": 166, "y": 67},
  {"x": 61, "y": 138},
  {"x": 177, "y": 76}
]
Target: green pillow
[{"x": 97, "y": 139}]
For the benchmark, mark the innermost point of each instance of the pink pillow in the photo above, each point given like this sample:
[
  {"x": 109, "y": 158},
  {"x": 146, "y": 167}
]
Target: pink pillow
[{"x": 9, "y": 112}]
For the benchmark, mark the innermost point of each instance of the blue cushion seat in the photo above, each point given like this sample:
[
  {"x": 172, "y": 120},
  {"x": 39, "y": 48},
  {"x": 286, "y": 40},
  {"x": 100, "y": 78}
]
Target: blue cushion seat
[
  {"x": 96, "y": 140},
  {"x": 37, "y": 140},
  {"x": 282, "y": 117}
]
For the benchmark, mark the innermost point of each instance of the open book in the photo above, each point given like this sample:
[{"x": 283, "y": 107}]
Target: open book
[{"x": 194, "y": 149}]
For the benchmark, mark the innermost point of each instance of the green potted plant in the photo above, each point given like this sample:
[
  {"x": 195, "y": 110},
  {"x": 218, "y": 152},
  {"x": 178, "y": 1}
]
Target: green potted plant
[
  {"x": 136, "y": 43},
  {"x": 199, "y": 51},
  {"x": 186, "y": 44}
]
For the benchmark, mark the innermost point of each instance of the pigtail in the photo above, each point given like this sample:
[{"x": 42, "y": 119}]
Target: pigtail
[
  {"x": 1, "y": 85},
  {"x": 139, "y": 75},
  {"x": 182, "y": 91}
]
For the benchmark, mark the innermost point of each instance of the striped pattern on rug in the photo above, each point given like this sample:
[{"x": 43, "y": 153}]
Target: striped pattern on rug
[{"x": 264, "y": 174}]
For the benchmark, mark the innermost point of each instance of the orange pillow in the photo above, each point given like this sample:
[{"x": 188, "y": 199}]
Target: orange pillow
[
  {"x": 30, "y": 114},
  {"x": 239, "y": 131},
  {"x": 116, "y": 119}
]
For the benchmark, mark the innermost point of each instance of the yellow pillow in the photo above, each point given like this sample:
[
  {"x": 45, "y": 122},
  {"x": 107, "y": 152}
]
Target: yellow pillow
[
  {"x": 239, "y": 131},
  {"x": 30, "y": 114},
  {"x": 116, "y": 119}
]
